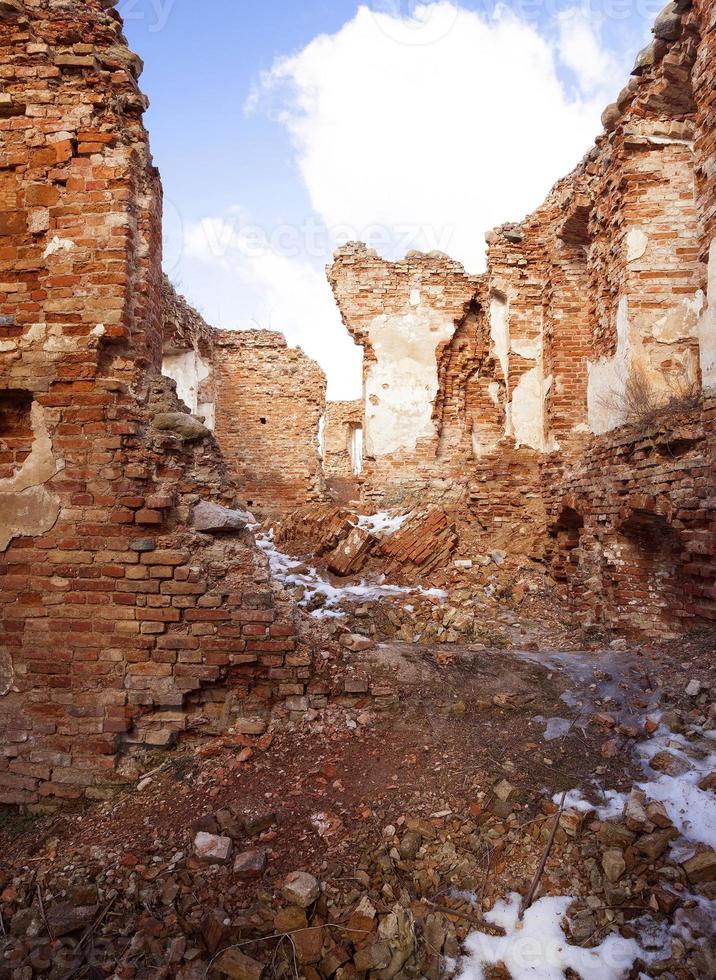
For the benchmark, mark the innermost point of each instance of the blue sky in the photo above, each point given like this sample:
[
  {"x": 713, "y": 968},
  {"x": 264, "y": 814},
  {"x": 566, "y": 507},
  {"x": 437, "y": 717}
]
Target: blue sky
[{"x": 282, "y": 128}]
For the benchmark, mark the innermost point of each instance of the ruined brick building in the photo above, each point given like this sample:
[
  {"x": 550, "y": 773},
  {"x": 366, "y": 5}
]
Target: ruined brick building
[{"x": 571, "y": 390}]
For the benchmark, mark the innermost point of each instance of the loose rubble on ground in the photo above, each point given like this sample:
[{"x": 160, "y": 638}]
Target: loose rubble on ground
[{"x": 391, "y": 826}]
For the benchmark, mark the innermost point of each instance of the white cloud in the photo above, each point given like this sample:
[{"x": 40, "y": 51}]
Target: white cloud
[
  {"x": 265, "y": 289},
  {"x": 463, "y": 133},
  {"x": 581, "y": 50},
  {"x": 432, "y": 128}
]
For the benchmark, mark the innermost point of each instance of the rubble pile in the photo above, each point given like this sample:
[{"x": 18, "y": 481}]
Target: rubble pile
[{"x": 235, "y": 861}]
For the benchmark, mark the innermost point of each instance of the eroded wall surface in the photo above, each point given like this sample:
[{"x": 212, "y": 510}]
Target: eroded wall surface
[
  {"x": 119, "y": 615},
  {"x": 405, "y": 315},
  {"x": 595, "y": 315},
  {"x": 270, "y": 399}
]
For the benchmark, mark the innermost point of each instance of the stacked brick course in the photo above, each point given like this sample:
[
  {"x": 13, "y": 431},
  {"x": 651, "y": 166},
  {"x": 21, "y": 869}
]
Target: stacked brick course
[
  {"x": 113, "y": 610},
  {"x": 633, "y": 529}
]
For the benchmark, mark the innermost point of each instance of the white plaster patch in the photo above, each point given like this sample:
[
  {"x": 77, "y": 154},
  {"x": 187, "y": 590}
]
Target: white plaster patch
[
  {"x": 37, "y": 332},
  {"x": 58, "y": 245},
  {"x": 679, "y": 323},
  {"x": 189, "y": 370},
  {"x": 402, "y": 383},
  {"x": 527, "y": 415},
  {"x": 7, "y": 673},
  {"x": 606, "y": 387},
  {"x": 41, "y": 465},
  {"x": 500, "y": 331},
  {"x": 637, "y": 242},
  {"x": 529, "y": 349},
  {"x": 99, "y": 330},
  {"x": 493, "y": 390},
  {"x": 707, "y": 326},
  {"x": 415, "y": 297},
  {"x": 26, "y": 506}
]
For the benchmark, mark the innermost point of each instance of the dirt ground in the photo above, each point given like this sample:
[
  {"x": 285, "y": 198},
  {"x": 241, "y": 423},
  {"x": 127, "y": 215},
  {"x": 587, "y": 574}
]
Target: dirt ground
[{"x": 339, "y": 794}]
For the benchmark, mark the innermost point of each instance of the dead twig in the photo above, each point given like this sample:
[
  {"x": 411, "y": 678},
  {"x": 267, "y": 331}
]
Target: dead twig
[
  {"x": 281, "y": 936},
  {"x": 476, "y": 920},
  {"x": 530, "y": 896},
  {"x": 50, "y": 933},
  {"x": 91, "y": 929}
]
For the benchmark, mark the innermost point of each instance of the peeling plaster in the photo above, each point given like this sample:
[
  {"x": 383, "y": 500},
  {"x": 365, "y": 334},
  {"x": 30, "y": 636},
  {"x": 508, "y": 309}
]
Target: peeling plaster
[
  {"x": 58, "y": 245},
  {"x": 665, "y": 367},
  {"x": 637, "y": 242},
  {"x": 707, "y": 326},
  {"x": 500, "y": 331},
  {"x": 680, "y": 323},
  {"x": 189, "y": 370},
  {"x": 606, "y": 386},
  {"x": 529, "y": 349},
  {"x": 402, "y": 382},
  {"x": 26, "y": 506},
  {"x": 527, "y": 414}
]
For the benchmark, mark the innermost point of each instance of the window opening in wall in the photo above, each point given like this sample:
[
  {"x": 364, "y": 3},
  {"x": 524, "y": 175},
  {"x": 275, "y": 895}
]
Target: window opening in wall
[{"x": 355, "y": 447}]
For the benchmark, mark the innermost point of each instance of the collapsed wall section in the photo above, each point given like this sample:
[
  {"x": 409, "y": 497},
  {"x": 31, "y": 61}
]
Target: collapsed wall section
[
  {"x": 122, "y": 600},
  {"x": 592, "y": 327}
]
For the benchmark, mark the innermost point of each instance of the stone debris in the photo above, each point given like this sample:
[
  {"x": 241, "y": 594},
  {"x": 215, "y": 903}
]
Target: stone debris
[
  {"x": 301, "y": 888},
  {"x": 213, "y": 519},
  {"x": 212, "y": 848},
  {"x": 509, "y": 537}
]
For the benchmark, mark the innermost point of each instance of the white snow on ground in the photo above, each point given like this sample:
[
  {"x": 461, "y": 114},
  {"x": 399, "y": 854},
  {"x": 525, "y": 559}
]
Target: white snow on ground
[
  {"x": 613, "y": 805},
  {"x": 692, "y": 810},
  {"x": 537, "y": 948},
  {"x": 383, "y": 523},
  {"x": 293, "y": 574}
]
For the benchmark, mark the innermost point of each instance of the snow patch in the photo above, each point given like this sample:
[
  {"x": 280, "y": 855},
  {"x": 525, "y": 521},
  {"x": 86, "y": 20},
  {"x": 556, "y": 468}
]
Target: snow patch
[
  {"x": 295, "y": 574},
  {"x": 692, "y": 810},
  {"x": 537, "y": 948},
  {"x": 383, "y": 523}
]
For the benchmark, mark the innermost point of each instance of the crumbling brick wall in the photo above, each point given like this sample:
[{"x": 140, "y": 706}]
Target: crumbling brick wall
[
  {"x": 264, "y": 400},
  {"x": 405, "y": 315},
  {"x": 114, "y": 609},
  {"x": 270, "y": 399},
  {"x": 704, "y": 88},
  {"x": 595, "y": 311},
  {"x": 632, "y": 531}
]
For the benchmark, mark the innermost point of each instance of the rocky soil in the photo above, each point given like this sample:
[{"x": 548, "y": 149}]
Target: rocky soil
[{"x": 352, "y": 841}]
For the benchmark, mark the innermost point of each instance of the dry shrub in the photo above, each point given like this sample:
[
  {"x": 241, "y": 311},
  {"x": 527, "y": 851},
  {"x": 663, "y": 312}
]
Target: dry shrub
[{"x": 643, "y": 406}]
